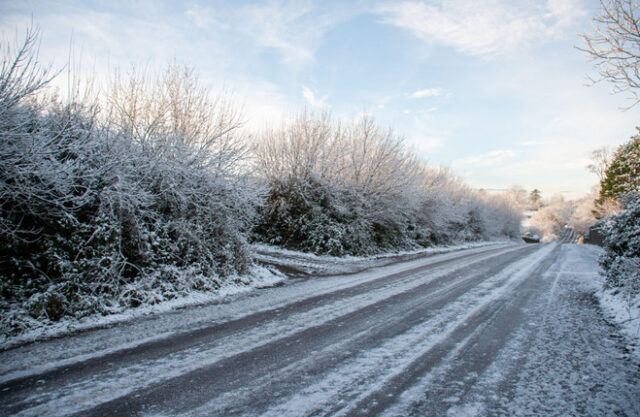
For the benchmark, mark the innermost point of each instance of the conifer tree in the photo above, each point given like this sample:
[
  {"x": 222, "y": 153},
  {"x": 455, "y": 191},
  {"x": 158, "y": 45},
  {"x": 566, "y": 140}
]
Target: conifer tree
[{"x": 623, "y": 174}]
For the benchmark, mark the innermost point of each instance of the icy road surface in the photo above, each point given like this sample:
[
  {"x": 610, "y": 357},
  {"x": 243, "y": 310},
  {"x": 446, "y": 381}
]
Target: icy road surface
[{"x": 504, "y": 330}]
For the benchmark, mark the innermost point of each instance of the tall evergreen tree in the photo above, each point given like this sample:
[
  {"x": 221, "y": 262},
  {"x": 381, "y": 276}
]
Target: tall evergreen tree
[
  {"x": 623, "y": 174},
  {"x": 535, "y": 197}
]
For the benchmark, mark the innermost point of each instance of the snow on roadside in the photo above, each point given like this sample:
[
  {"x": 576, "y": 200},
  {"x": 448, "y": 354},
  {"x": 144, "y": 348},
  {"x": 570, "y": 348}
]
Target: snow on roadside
[
  {"x": 39, "y": 357},
  {"x": 261, "y": 276},
  {"x": 303, "y": 264},
  {"x": 258, "y": 277},
  {"x": 625, "y": 313},
  {"x": 618, "y": 309}
]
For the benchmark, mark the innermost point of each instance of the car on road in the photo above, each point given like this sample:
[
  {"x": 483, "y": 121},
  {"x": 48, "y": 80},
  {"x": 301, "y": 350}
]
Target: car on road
[{"x": 531, "y": 238}]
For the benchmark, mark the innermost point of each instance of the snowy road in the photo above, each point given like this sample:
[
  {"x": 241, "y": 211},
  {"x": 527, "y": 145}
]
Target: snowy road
[{"x": 497, "y": 330}]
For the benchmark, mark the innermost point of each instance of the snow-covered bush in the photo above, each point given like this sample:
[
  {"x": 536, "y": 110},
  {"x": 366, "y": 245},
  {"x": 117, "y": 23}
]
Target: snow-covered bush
[
  {"x": 354, "y": 189},
  {"x": 335, "y": 189},
  {"x": 450, "y": 211},
  {"x": 97, "y": 217},
  {"x": 318, "y": 217},
  {"x": 621, "y": 257}
]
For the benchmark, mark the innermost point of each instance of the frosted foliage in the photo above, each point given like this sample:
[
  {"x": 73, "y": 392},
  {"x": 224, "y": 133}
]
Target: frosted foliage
[
  {"x": 173, "y": 108},
  {"x": 355, "y": 189},
  {"x": 621, "y": 258},
  {"x": 360, "y": 155},
  {"x": 552, "y": 218},
  {"x": 583, "y": 215},
  {"x": 96, "y": 217}
]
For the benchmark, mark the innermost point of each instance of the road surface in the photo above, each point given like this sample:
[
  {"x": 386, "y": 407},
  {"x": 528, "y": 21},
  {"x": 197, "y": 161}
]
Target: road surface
[{"x": 501, "y": 330}]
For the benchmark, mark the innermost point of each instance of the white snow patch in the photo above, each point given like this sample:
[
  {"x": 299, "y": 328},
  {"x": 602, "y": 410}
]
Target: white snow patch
[
  {"x": 258, "y": 277},
  {"x": 626, "y": 314},
  {"x": 617, "y": 307},
  {"x": 466, "y": 410},
  {"x": 311, "y": 264}
]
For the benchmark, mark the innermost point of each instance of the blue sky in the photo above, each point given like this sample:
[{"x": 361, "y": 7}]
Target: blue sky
[{"x": 493, "y": 89}]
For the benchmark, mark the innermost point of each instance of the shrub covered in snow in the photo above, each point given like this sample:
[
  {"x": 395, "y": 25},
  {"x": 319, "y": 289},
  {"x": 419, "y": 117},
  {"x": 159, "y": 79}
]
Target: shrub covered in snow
[
  {"x": 96, "y": 216},
  {"x": 621, "y": 257},
  {"x": 322, "y": 218},
  {"x": 354, "y": 189}
]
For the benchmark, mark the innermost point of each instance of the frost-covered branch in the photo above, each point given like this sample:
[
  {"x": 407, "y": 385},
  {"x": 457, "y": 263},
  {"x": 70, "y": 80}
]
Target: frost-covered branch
[{"x": 614, "y": 46}]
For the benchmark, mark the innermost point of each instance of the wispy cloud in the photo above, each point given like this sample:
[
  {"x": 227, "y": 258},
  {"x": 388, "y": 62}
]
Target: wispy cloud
[
  {"x": 294, "y": 28},
  {"x": 536, "y": 143},
  {"x": 427, "y": 144},
  {"x": 484, "y": 160},
  {"x": 483, "y": 27},
  {"x": 427, "y": 92},
  {"x": 311, "y": 98},
  {"x": 205, "y": 17}
]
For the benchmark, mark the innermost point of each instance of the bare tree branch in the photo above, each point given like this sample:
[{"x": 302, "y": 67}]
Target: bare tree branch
[{"x": 614, "y": 46}]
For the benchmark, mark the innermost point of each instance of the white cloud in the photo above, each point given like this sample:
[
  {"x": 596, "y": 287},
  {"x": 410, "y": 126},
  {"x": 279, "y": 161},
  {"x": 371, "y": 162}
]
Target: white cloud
[
  {"x": 424, "y": 145},
  {"x": 311, "y": 98},
  {"x": 429, "y": 111},
  {"x": 294, "y": 28},
  {"x": 427, "y": 144},
  {"x": 427, "y": 92},
  {"x": 536, "y": 143},
  {"x": 487, "y": 159},
  {"x": 483, "y": 27},
  {"x": 205, "y": 18}
]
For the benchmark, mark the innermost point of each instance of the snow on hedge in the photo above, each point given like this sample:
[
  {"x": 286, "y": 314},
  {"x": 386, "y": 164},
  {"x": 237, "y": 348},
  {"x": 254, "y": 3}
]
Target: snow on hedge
[
  {"x": 104, "y": 211},
  {"x": 621, "y": 263}
]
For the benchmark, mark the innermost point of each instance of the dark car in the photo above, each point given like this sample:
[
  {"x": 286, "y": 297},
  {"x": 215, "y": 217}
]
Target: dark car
[{"x": 531, "y": 238}]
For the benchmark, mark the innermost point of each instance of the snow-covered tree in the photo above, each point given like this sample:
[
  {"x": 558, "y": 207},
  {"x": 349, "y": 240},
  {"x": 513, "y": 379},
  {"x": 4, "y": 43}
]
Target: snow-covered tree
[
  {"x": 535, "y": 199},
  {"x": 621, "y": 258},
  {"x": 622, "y": 176},
  {"x": 584, "y": 213},
  {"x": 552, "y": 218},
  {"x": 518, "y": 196}
]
